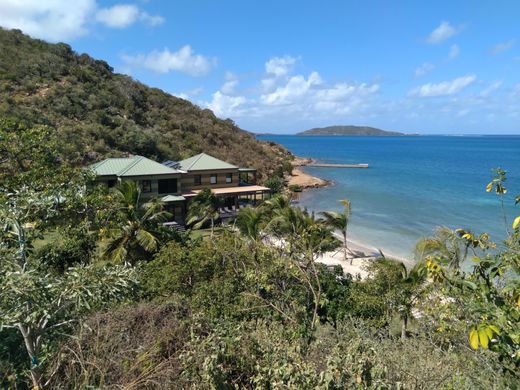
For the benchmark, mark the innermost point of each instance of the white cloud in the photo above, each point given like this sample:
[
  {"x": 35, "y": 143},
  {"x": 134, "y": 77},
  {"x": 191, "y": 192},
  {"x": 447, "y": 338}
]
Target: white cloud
[
  {"x": 444, "y": 31},
  {"x": 118, "y": 16},
  {"x": 280, "y": 66},
  {"x": 226, "y": 106},
  {"x": 454, "y": 52},
  {"x": 491, "y": 88},
  {"x": 424, "y": 69},
  {"x": 151, "y": 20},
  {"x": 443, "y": 89},
  {"x": 165, "y": 61},
  {"x": 52, "y": 20},
  {"x": 296, "y": 87},
  {"x": 64, "y": 20},
  {"x": 123, "y": 15},
  {"x": 502, "y": 46},
  {"x": 229, "y": 86}
]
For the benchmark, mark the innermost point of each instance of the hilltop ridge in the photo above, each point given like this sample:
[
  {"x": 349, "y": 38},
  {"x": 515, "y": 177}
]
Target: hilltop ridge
[{"x": 99, "y": 113}]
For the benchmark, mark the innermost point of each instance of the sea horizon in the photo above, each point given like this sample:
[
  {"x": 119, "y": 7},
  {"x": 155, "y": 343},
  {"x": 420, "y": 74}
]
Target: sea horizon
[{"x": 413, "y": 185}]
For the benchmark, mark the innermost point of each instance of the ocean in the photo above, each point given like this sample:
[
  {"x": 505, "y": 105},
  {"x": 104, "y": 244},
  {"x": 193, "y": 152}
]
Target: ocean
[{"x": 413, "y": 184}]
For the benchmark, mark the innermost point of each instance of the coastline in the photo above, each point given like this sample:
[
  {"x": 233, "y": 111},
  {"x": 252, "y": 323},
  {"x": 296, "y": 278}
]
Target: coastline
[
  {"x": 362, "y": 253},
  {"x": 302, "y": 179}
]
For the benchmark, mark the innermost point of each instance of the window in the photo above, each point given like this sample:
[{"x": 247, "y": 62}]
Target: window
[
  {"x": 229, "y": 178},
  {"x": 197, "y": 180},
  {"x": 167, "y": 186},
  {"x": 111, "y": 183},
  {"x": 146, "y": 185},
  {"x": 213, "y": 179}
]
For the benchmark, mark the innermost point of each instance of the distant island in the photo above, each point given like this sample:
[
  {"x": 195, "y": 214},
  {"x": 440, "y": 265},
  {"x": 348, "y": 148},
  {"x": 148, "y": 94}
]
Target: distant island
[{"x": 349, "y": 130}]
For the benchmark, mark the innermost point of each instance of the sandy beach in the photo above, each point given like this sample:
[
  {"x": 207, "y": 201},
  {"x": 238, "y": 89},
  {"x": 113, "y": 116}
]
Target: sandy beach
[
  {"x": 361, "y": 255},
  {"x": 302, "y": 179}
]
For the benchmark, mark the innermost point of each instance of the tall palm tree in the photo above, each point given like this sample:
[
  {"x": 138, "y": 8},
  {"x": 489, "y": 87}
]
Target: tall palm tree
[
  {"x": 340, "y": 222},
  {"x": 446, "y": 244},
  {"x": 137, "y": 235},
  {"x": 203, "y": 208}
]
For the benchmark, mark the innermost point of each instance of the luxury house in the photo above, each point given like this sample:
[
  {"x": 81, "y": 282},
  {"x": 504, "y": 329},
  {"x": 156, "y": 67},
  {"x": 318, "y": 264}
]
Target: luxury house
[{"x": 175, "y": 183}]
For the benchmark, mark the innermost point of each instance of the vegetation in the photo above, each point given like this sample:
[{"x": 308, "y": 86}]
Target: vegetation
[
  {"x": 99, "y": 114},
  {"x": 248, "y": 308},
  {"x": 349, "y": 130}
]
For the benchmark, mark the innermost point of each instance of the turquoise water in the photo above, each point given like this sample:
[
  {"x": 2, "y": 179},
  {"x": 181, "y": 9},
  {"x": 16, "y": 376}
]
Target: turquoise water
[{"x": 413, "y": 184}]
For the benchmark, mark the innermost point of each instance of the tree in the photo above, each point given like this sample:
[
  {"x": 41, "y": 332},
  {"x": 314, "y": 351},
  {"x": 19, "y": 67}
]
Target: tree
[
  {"x": 250, "y": 222},
  {"x": 36, "y": 302},
  {"x": 340, "y": 222},
  {"x": 487, "y": 298},
  {"x": 203, "y": 208},
  {"x": 446, "y": 244},
  {"x": 305, "y": 238},
  {"x": 135, "y": 233}
]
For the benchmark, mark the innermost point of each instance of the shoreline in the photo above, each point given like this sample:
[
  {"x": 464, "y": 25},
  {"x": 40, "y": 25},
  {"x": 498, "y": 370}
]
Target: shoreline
[
  {"x": 363, "y": 252},
  {"x": 302, "y": 179}
]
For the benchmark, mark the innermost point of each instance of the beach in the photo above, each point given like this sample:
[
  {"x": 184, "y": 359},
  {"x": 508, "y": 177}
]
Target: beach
[
  {"x": 302, "y": 179},
  {"x": 360, "y": 253}
]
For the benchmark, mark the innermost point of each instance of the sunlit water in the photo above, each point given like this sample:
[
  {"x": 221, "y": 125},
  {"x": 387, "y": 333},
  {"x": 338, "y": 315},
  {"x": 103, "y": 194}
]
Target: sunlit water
[{"x": 413, "y": 184}]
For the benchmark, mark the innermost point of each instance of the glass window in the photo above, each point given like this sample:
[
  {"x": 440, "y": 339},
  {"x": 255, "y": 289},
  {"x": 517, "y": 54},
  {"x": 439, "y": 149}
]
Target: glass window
[
  {"x": 197, "y": 180},
  {"x": 229, "y": 178},
  {"x": 146, "y": 185},
  {"x": 213, "y": 179},
  {"x": 167, "y": 186}
]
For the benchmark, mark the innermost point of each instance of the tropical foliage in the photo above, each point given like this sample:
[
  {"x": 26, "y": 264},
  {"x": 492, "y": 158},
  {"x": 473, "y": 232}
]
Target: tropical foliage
[{"x": 250, "y": 307}]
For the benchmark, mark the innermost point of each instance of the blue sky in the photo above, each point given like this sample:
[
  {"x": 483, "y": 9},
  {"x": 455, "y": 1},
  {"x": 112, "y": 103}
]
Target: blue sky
[{"x": 442, "y": 67}]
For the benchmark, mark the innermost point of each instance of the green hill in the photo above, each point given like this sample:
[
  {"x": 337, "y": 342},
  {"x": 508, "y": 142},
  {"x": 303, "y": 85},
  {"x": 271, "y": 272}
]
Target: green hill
[
  {"x": 348, "y": 130},
  {"x": 99, "y": 113}
]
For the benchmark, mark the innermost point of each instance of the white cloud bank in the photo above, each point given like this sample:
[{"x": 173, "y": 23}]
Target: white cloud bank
[
  {"x": 63, "y": 20},
  {"x": 444, "y": 88},
  {"x": 443, "y": 32},
  {"x": 280, "y": 93},
  {"x": 183, "y": 60}
]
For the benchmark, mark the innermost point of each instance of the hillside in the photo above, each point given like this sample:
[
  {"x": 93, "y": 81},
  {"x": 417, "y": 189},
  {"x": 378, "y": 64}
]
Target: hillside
[
  {"x": 99, "y": 113},
  {"x": 349, "y": 130}
]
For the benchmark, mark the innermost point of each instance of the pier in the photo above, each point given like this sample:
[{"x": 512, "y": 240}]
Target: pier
[{"x": 320, "y": 165}]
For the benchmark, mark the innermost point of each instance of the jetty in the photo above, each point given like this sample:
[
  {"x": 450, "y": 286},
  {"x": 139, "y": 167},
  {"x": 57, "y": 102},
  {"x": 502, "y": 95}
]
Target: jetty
[{"x": 323, "y": 165}]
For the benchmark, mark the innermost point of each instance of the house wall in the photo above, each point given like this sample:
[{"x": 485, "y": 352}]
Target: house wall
[
  {"x": 154, "y": 184},
  {"x": 188, "y": 181}
]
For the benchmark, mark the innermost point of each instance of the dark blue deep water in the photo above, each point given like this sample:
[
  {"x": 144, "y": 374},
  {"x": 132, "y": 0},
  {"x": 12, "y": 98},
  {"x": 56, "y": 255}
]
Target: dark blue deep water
[{"x": 413, "y": 184}]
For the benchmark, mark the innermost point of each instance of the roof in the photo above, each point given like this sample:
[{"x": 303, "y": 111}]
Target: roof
[
  {"x": 246, "y": 170},
  {"x": 131, "y": 166},
  {"x": 231, "y": 191},
  {"x": 172, "y": 198},
  {"x": 204, "y": 162}
]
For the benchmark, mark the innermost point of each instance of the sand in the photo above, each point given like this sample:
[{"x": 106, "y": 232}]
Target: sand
[{"x": 300, "y": 178}]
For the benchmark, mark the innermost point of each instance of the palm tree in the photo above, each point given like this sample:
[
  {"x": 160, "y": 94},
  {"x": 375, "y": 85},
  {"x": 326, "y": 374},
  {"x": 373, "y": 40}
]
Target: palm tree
[
  {"x": 137, "y": 235},
  {"x": 446, "y": 244},
  {"x": 203, "y": 208},
  {"x": 307, "y": 237},
  {"x": 340, "y": 222},
  {"x": 250, "y": 222},
  {"x": 411, "y": 281}
]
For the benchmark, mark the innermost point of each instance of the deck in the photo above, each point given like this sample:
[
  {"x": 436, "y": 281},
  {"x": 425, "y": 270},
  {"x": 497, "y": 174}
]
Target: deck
[{"x": 323, "y": 165}]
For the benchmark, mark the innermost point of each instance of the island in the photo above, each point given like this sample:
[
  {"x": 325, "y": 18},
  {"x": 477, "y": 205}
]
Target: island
[{"x": 349, "y": 130}]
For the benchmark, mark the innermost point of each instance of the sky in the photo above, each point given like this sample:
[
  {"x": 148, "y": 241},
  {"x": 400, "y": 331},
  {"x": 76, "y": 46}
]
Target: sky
[{"x": 437, "y": 67}]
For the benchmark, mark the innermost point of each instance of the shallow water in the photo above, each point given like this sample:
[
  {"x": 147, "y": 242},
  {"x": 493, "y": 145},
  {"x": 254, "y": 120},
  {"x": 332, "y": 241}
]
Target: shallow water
[{"x": 413, "y": 184}]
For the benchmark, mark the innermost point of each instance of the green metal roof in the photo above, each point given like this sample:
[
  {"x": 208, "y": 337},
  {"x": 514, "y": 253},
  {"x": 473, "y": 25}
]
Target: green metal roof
[
  {"x": 204, "y": 162},
  {"x": 131, "y": 166}
]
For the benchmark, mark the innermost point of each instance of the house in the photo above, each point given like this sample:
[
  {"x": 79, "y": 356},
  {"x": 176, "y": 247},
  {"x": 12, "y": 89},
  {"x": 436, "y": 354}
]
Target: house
[{"x": 175, "y": 183}]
